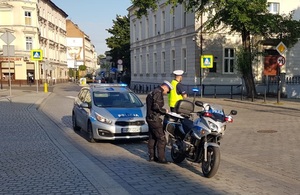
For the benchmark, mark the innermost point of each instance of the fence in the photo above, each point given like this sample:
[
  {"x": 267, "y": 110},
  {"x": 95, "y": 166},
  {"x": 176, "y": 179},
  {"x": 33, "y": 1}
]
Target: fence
[
  {"x": 207, "y": 89},
  {"x": 293, "y": 80}
]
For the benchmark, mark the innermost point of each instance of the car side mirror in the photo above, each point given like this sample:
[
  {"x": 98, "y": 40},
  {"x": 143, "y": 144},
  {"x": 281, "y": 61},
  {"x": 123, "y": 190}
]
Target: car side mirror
[{"x": 84, "y": 105}]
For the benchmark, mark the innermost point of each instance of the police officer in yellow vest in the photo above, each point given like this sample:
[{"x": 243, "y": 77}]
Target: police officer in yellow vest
[{"x": 178, "y": 92}]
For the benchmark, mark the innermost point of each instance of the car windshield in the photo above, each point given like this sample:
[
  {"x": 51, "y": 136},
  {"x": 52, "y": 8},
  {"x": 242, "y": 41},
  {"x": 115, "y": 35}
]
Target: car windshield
[{"x": 116, "y": 99}]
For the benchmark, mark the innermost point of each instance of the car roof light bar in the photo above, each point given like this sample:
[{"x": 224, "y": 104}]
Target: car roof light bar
[{"x": 108, "y": 85}]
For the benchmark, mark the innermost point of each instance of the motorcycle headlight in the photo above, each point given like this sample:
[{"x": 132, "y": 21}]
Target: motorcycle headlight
[
  {"x": 213, "y": 126},
  {"x": 102, "y": 119}
]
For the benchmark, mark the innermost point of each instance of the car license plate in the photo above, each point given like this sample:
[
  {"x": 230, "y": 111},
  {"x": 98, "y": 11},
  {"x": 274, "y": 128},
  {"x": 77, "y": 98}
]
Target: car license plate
[{"x": 130, "y": 130}]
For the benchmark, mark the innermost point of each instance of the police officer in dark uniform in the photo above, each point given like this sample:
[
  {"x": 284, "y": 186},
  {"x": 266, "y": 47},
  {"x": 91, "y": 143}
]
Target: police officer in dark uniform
[{"x": 157, "y": 139}]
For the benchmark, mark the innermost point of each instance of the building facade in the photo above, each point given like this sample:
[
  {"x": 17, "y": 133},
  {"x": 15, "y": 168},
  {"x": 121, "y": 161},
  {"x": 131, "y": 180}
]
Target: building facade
[
  {"x": 167, "y": 39},
  {"x": 33, "y": 25},
  {"x": 52, "y": 40},
  {"x": 37, "y": 25},
  {"x": 80, "y": 50}
]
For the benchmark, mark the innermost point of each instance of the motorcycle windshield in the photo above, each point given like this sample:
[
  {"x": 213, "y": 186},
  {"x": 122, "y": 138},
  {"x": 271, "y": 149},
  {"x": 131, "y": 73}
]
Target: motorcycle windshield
[{"x": 217, "y": 113}]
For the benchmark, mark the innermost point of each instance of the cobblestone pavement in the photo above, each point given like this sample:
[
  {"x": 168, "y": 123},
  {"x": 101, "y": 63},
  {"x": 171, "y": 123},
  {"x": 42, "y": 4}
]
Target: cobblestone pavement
[
  {"x": 36, "y": 158},
  {"x": 260, "y": 154}
]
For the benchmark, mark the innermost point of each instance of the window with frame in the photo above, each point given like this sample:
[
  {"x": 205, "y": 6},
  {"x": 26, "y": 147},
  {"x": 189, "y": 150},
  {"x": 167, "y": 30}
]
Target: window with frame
[
  {"x": 28, "y": 43},
  {"x": 172, "y": 22},
  {"x": 134, "y": 33},
  {"x": 229, "y": 57},
  {"x": 163, "y": 22},
  {"x": 163, "y": 62},
  {"x": 173, "y": 59},
  {"x": 147, "y": 63},
  {"x": 147, "y": 28},
  {"x": 184, "y": 16},
  {"x": 273, "y": 7},
  {"x": 154, "y": 62},
  {"x": 134, "y": 65},
  {"x": 154, "y": 25},
  {"x": 141, "y": 64},
  {"x": 184, "y": 60},
  {"x": 140, "y": 30},
  {"x": 27, "y": 18}
]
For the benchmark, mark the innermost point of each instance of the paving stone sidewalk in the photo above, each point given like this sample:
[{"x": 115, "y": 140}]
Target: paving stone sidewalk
[{"x": 37, "y": 158}]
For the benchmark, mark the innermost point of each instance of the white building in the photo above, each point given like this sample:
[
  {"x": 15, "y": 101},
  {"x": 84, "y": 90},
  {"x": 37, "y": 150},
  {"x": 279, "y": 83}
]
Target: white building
[{"x": 167, "y": 39}]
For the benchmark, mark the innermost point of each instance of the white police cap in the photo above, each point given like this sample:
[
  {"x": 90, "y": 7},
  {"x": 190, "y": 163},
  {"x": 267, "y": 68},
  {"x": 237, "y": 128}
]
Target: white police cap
[
  {"x": 168, "y": 84},
  {"x": 178, "y": 72}
]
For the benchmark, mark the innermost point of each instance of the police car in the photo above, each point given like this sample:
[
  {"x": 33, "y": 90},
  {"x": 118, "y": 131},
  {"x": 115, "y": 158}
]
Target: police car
[{"x": 109, "y": 112}]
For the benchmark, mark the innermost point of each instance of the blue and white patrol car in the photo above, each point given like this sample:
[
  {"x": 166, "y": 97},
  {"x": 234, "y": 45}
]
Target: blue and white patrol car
[{"x": 109, "y": 112}]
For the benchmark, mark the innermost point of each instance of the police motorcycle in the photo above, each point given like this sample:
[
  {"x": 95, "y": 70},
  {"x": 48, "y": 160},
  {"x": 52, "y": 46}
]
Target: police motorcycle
[{"x": 197, "y": 140}]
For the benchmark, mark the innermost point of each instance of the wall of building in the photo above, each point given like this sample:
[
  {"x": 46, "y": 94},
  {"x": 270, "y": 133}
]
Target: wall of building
[
  {"x": 36, "y": 25},
  {"x": 148, "y": 42},
  {"x": 24, "y": 29},
  {"x": 52, "y": 23},
  {"x": 179, "y": 36}
]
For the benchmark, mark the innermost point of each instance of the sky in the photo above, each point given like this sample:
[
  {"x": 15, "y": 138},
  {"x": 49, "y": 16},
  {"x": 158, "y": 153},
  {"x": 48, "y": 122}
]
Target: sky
[{"x": 93, "y": 17}]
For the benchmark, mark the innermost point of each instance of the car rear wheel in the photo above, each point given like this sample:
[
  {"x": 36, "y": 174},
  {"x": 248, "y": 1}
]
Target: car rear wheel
[
  {"x": 75, "y": 126},
  {"x": 90, "y": 133}
]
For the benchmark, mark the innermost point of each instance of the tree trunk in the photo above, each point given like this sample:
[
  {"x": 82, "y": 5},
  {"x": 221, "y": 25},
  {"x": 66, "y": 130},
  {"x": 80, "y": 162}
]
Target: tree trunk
[
  {"x": 248, "y": 75},
  {"x": 250, "y": 86}
]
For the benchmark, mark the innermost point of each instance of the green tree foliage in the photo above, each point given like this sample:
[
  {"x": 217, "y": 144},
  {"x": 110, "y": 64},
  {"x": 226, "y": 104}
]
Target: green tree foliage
[
  {"x": 99, "y": 57},
  {"x": 82, "y": 67},
  {"x": 119, "y": 42},
  {"x": 250, "y": 18}
]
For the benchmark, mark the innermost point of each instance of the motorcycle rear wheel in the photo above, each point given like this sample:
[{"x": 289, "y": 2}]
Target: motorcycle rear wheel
[
  {"x": 177, "y": 155},
  {"x": 211, "y": 166}
]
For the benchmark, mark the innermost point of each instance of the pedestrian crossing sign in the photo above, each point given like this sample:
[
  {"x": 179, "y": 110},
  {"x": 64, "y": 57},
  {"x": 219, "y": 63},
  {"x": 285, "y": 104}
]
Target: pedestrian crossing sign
[
  {"x": 36, "y": 54},
  {"x": 207, "y": 61}
]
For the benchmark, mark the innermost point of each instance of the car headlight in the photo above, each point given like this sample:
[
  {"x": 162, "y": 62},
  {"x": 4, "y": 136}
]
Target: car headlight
[
  {"x": 213, "y": 126},
  {"x": 102, "y": 119}
]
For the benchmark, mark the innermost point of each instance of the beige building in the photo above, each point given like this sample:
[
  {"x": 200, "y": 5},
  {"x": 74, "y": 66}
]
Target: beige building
[
  {"x": 34, "y": 25},
  {"x": 39, "y": 26},
  {"x": 166, "y": 40},
  {"x": 52, "y": 26},
  {"x": 80, "y": 50}
]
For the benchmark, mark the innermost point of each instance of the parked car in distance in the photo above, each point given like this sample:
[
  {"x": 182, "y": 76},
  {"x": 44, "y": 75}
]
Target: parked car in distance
[{"x": 109, "y": 112}]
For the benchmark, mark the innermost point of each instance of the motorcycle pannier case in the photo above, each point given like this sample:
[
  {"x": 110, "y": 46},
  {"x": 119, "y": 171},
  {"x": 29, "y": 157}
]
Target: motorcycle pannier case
[{"x": 184, "y": 107}]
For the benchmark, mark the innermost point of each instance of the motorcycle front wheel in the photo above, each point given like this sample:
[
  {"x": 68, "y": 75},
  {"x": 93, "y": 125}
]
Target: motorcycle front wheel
[
  {"x": 211, "y": 166},
  {"x": 177, "y": 155}
]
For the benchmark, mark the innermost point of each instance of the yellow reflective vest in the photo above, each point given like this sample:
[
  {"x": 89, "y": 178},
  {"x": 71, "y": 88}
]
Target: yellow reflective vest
[{"x": 173, "y": 96}]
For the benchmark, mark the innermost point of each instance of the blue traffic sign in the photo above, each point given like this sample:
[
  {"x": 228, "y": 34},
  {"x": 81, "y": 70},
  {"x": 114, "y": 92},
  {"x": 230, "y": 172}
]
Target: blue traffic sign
[{"x": 36, "y": 54}]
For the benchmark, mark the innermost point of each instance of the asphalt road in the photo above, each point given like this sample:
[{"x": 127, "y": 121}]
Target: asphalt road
[{"x": 260, "y": 153}]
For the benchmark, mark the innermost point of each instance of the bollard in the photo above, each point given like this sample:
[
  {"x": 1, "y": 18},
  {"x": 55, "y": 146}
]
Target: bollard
[{"x": 45, "y": 87}]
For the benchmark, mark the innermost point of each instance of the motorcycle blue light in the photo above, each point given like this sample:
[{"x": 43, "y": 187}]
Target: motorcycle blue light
[{"x": 195, "y": 90}]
